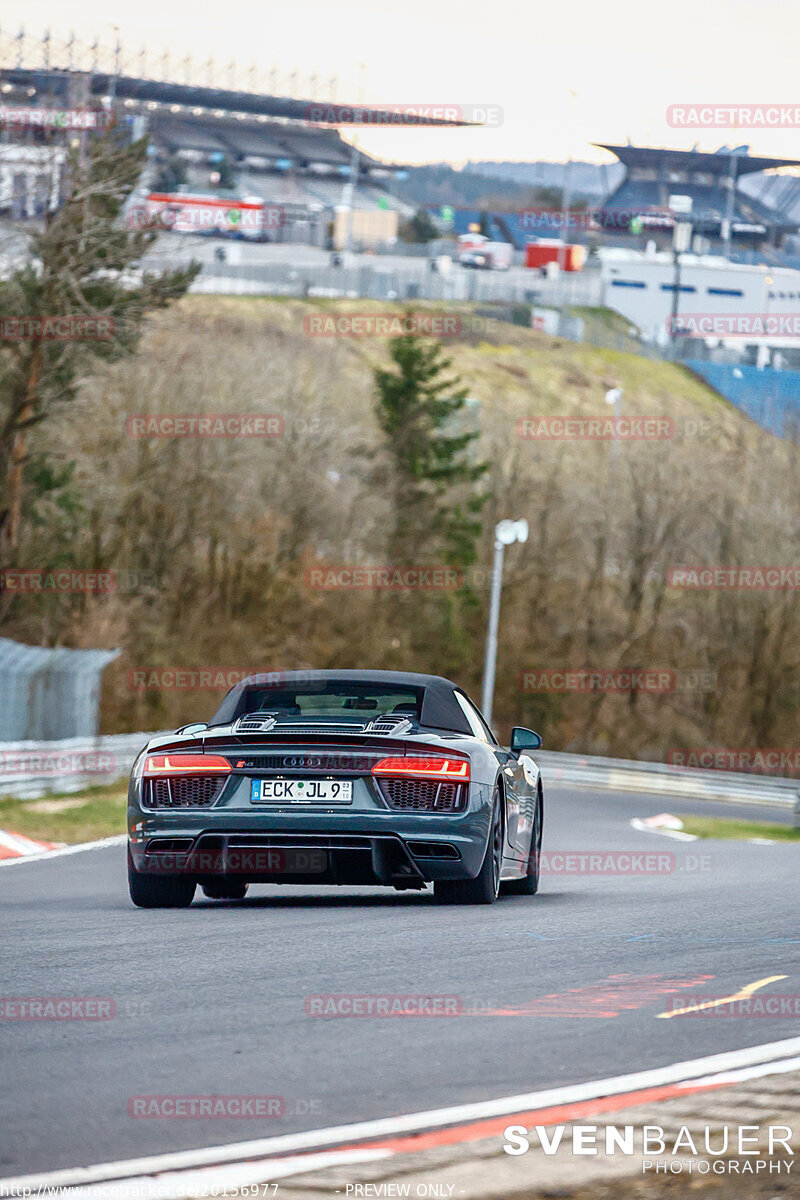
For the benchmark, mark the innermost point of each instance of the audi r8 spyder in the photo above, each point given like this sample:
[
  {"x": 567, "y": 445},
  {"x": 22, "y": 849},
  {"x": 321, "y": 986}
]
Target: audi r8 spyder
[{"x": 336, "y": 777}]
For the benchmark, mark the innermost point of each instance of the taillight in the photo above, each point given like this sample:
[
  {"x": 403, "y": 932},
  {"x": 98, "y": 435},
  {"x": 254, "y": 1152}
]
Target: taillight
[
  {"x": 448, "y": 770},
  {"x": 185, "y": 764}
]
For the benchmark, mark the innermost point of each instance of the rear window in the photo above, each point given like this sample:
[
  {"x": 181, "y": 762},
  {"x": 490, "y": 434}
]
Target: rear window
[{"x": 331, "y": 699}]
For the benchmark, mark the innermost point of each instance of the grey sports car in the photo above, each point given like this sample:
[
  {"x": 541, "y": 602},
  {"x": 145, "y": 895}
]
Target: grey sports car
[{"x": 336, "y": 777}]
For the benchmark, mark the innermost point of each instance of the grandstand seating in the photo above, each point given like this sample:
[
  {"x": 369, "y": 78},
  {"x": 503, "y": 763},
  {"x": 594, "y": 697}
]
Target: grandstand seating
[
  {"x": 269, "y": 140},
  {"x": 769, "y": 397},
  {"x": 174, "y": 134},
  {"x": 509, "y": 227},
  {"x": 500, "y": 227},
  {"x": 654, "y": 174},
  {"x": 709, "y": 202},
  {"x": 304, "y": 191}
]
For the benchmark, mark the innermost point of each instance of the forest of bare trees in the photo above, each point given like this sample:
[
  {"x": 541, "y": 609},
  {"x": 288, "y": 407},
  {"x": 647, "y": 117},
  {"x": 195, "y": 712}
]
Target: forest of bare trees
[{"x": 211, "y": 540}]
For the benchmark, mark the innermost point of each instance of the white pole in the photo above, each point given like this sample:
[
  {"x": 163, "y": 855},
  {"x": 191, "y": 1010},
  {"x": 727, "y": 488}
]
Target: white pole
[
  {"x": 490, "y": 662},
  {"x": 614, "y": 396}
]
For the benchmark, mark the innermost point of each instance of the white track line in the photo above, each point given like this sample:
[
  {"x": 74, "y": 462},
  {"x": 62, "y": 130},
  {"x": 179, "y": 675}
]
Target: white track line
[
  {"x": 726, "y": 1077},
  {"x": 314, "y": 1140},
  {"x": 117, "y": 840},
  {"x": 23, "y": 845},
  {"x": 676, "y": 834}
]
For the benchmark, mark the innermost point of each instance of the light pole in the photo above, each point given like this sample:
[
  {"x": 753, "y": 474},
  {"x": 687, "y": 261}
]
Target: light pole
[
  {"x": 614, "y": 396},
  {"x": 112, "y": 90},
  {"x": 681, "y": 241},
  {"x": 566, "y": 195},
  {"x": 731, "y": 203},
  {"x": 352, "y": 181},
  {"x": 505, "y": 534}
]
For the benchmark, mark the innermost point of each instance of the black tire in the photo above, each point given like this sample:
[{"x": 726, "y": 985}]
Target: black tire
[
  {"x": 225, "y": 891},
  {"x": 159, "y": 891},
  {"x": 484, "y": 888},
  {"x": 528, "y": 885}
]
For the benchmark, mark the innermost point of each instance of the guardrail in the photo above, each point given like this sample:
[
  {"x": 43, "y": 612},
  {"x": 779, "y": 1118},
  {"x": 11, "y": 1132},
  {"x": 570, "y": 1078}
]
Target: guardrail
[
  {"x": 628, "y": 775},
  {"x": 32, "y": 769}
]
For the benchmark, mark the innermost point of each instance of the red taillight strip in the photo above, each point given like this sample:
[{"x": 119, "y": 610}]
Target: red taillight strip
[
  {"x": 186, "y": 764},
  {"x": 450, "y": 769}
]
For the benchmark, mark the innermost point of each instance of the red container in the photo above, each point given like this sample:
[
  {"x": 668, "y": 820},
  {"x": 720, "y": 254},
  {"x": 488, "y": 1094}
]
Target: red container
[{"x": 539, "y": 254}]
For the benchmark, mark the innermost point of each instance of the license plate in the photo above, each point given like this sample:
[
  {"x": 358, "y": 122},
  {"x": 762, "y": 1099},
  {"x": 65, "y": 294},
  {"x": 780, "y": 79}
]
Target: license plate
[{"x": 301, "y": 791}]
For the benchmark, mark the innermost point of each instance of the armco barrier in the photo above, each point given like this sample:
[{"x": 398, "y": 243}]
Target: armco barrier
[
  {"x": 627, "y": 775},
  {"x": 31, "y": 769}
]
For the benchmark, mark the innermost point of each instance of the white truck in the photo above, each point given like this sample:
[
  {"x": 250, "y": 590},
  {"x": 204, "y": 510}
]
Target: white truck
[{"x": 476, "y": 250}]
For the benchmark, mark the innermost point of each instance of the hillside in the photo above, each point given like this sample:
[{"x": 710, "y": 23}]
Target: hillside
[{"x": 214, "y": 538}]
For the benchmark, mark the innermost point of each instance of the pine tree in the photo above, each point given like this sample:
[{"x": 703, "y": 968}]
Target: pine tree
[
  {"x": 436, "y": 502},
  {"x": 82, "y": 264}
]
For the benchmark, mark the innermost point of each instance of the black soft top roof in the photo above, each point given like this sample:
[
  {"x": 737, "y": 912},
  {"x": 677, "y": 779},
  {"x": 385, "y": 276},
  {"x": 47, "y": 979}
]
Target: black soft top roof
[{"x": 440, "y": 709}]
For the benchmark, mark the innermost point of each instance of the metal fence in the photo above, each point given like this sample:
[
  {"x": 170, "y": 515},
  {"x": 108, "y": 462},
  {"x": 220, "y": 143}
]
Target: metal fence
[
  {"x": 30, "y": 769},
  {"x": 386, "y": 281},
  {"x": 49, "y": 693}
]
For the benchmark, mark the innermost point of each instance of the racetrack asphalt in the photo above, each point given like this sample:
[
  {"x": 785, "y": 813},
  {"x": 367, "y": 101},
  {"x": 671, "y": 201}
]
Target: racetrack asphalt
[{"x": 211, "y": 1000}]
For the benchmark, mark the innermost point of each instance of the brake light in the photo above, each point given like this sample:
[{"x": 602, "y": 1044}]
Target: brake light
[
  {"x": 450, "y": 769},
  {"x": 186, "y": 764}
]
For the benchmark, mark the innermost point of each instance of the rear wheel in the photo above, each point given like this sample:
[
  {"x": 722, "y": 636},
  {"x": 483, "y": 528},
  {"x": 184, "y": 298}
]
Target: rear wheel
[
  {"x": 225, "y": 891},
  {"x": 159, "y": 891},
  {"x": 483, "y": 889},
  {"x": 528, "y": 885}
]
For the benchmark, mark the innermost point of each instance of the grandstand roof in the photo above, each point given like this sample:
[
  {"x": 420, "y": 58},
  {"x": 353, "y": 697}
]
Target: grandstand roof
[
  {"x": 55, "y": 82},
  {"x": 718, "y": 163}
]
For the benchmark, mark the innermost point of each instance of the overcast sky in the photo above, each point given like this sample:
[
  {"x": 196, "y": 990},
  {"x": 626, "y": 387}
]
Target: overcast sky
[{"x": 626, "y": 61}]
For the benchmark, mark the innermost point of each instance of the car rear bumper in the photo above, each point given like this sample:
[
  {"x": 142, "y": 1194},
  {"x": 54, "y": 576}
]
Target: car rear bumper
[{"x": 401, "y": 850}]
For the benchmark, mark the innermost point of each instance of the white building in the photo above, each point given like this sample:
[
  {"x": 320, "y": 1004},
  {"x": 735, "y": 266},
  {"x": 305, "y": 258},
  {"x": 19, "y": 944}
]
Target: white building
[
  {"x": 30, "y": 179},
  {"x": 712, "y": 291}
]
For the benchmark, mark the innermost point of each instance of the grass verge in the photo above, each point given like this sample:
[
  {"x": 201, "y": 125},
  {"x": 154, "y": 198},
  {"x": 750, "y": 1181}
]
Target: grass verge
[
  {"x": 720, "y": 827},
  {"x": 79, "y": 817}
]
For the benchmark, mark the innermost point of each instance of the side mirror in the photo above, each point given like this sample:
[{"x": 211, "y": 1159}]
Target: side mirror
[{"x": 524, "y": 739}]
